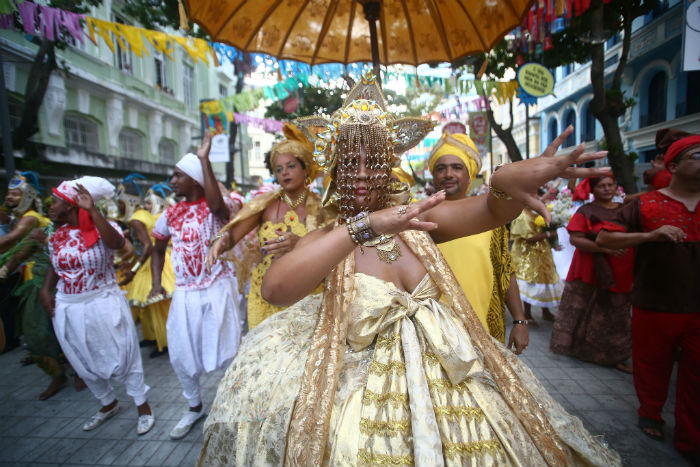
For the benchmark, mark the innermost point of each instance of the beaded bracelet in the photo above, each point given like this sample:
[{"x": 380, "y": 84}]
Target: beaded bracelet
[
  {"x": 360, "y": 229},
  {"x": 520, "y": 321},
  {"x": 218, "y": 236}
]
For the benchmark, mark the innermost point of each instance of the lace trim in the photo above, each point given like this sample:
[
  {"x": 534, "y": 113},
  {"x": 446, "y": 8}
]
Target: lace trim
[
  {"x": 444, "y": 385},
  {"x": 388, "y": 341},
  {"x": 381, "y": 400},
  {"x": 369, "y": 459},
  {"x": 453, "y": 450},
  {"x": 382, "y": 369},
  {"x": 390, "y": 428},
  {"x": 454, "y": 413}
]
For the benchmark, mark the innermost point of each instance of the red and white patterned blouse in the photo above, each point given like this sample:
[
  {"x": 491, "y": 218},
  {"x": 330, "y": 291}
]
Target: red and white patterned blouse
[
  {"x": 191, "y": 226},
  {"x": 81, "y": 269}
]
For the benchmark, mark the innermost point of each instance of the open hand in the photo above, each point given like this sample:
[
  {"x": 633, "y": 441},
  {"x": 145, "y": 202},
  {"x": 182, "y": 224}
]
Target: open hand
[
  {"x": 521, "y": 179},
  {"x": 405, "y": 217},
  {"x": 83, "y": 199},
  {"x": 205, "y": 147},
  {"x": 283, "y": 243}
]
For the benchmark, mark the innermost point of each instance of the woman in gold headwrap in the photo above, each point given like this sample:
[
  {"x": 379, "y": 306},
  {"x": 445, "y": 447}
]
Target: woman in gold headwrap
[
  {"x": 377, "y": 371},
  {"x": 282, "y": 217}
]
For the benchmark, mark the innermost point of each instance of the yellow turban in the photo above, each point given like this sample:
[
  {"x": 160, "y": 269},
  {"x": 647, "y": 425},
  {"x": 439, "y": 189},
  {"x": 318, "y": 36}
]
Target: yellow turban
[
  {"x": 298, "y": 150},
  {"x": 403, "y": 176},
  {"x": 459, "y": 145}
]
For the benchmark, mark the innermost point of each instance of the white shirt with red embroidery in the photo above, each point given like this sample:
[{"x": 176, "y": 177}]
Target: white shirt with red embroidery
[
  {"x": 81, "y": 269},
  {"x": 191, "y": 226}
]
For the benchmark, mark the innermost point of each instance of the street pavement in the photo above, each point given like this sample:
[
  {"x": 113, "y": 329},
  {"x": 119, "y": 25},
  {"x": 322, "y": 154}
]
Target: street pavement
[{"x": 44, "y": 433}]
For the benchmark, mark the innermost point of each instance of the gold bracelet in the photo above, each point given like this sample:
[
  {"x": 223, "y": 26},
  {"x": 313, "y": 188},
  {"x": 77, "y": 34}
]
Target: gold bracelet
[
  {"x": 360, "y": 229},
  {"x": 218, "y": 236},
  {"x": 136, "y": 267},
  {"x": 498, "y": 194}
]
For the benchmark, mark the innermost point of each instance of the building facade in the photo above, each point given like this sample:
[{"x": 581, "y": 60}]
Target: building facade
[
  {"x": 664, "y": 95},
  {"x": 112, "y": 112}
]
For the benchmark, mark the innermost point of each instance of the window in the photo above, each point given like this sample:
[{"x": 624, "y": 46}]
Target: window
[
  {"x": 588, "y": 124},
  {"x": 656, "y": 110},
  {"x": 223, "y": 90},
  {"x": 553, "y": 131},
  {"x": 166, "y": 152},
  {"x": 122, "y": 57},
  {"x": 81, "y": 134},
  {"x": 188, "y": 85},
  {"x": 130, "y": 144},
  {"x": 570, "y": 119},
  {"x": 257, "y": 152},
  {"x": 162, "y": 73}
]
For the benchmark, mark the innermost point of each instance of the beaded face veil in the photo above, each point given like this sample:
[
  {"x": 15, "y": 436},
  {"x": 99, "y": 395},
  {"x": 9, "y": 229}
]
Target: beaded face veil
[{"x": 362, "y": 124}]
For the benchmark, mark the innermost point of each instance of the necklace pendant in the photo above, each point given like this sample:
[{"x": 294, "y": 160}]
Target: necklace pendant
[{"x": 389, "y": 252}]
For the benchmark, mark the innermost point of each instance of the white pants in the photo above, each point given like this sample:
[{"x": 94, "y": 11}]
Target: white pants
[
  {"x": 204, "y": 331},
  {"x": 98, "y": 337}
]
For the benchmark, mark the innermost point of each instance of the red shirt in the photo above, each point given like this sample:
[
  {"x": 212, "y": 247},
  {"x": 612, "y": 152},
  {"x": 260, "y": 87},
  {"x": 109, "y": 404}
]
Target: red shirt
[{"x": 583, "y": 263}]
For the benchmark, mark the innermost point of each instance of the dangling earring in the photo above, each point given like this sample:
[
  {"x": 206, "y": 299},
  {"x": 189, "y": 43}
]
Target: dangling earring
[{"x": 307, "y": 180}]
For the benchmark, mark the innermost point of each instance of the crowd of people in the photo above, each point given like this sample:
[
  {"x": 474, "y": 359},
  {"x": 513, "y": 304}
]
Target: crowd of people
[{"x": 365, "y": 326}]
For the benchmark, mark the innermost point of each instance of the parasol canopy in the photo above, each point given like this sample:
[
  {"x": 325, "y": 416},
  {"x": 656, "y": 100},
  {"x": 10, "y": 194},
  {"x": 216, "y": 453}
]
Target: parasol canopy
[{"x": 346, "y": 31}]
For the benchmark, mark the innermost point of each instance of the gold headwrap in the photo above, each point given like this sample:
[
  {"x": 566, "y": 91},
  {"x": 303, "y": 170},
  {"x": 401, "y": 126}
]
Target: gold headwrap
[
  {"x": 459, "y": 145},
  {"x": 298, "y": 150},
  {"x": 403, "y": 176}
]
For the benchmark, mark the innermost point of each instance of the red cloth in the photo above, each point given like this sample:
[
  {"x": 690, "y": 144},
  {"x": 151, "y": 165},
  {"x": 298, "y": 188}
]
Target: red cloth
[
  {"x": 582, "y": 263},
  {"x": 657, "y": 339},
  {"x": 659, "y": 209},
  {"x": 85, "y": 223},
  {"x": 679, "y": 146},
  {"x": 661, "y": 179}
]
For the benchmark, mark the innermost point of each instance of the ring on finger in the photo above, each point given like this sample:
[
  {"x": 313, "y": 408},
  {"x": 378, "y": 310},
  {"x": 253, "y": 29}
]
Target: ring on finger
[
  {"x": 402, "y": 210},
  {"x": 280, "y": 239}
]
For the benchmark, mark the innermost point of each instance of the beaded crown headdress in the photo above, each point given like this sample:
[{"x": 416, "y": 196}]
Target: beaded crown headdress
[
  {"x": 364, "y": 107},
  {"x": 131, "y": 201},
  {"x": 157, "y": 195},
  {"x": 28, "y": 184}
]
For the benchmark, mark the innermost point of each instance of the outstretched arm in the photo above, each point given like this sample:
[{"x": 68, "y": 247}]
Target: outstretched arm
[
  {"x": 211, "y": 187},
  {"x": 293, "y": 276},
  {"x": 519, "y": 181}
]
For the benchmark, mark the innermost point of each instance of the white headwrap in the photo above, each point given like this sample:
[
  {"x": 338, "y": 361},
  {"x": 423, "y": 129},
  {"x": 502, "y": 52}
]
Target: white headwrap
[
  {"x": 191, "y": 165},
  {"x": 98, "y": 188}
]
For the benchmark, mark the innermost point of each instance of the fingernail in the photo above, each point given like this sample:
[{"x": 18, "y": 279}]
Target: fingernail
[
  {"x": 263, "y": 251},
  {"x": 264, "y": 243},
  {"x": 272, "y": 257}
]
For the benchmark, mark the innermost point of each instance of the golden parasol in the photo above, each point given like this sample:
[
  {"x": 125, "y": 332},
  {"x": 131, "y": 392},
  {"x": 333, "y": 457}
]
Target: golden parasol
[{"x": 345, "y": 31}]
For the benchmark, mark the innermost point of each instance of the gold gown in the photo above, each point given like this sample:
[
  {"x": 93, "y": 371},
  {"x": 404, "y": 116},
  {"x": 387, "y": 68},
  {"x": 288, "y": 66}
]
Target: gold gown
[
  {"x": 413, "y": 389},
  {"x": 533, "y": 263}
]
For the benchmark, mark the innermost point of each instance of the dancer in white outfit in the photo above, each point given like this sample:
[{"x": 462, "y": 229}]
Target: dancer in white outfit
[
  {"x": 90, "y": 314},
  {"x": 204, "y": 329}
]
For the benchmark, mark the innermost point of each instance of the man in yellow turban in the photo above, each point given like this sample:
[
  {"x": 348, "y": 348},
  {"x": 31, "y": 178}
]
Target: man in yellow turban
[{"x": 482, "y": 262}]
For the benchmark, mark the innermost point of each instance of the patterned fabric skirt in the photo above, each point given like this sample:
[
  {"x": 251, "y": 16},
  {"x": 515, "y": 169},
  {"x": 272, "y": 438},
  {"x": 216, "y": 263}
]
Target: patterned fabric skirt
[{"x": 593, "y": 325}]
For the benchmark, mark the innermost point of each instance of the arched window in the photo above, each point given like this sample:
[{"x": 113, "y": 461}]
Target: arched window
[
  {"x": 656, "y": 100},
  {"x": 130, "y": 144},
  {"x": 80, "y": 133},
  {"x": 570, "y": 119},
  {"x": 552, "y": 130},
  {"x": 166, "y": 152},
  {"x": 587, "y": 124}
]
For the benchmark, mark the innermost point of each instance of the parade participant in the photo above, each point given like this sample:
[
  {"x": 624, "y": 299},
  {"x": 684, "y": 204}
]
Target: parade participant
[
  {"x": 153, "y": 312},
  {"x": 593, "y": 322},
  {"x": 90, "y": 313},
  {"x": 371, "y": 372},
  {"x": 664, "y": 227},
  {"x": 24, "y": 204},
  {"x": 533, "y": 263},
  {"x": 481, "y": 259},
  {"x": 281, "y": 216},
  {"x": 204, "y": 327},
  {"x": 658, "y": 176}
]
